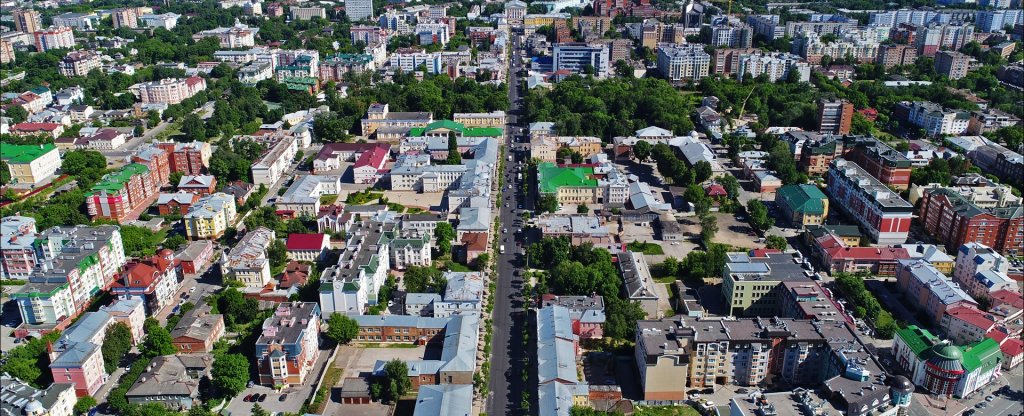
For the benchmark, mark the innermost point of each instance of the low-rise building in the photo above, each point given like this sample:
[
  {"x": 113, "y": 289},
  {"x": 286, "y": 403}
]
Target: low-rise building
[
  {"x": 30, "y": 164},
  {"x": 928, "y": 290},
  {"x": 210, "y": 216},
  {"x": 837, "y": 256},
  {"x": 303, "y": 196},
  {"x": 980, "y": 270},
  {"x": 942, "y": 368},
  {"x": 78, "y": 63},
  {"x": 585, "y": 312},
  {"x": 308, "y": 247},
  {"x": 195, "y": 257},
  {"x": 172, "y": 381},
  {"x": 247, "y": 261},
  {"x": 198, "y": 184},
  {"x": 155, "y": 280},
  {"x": 802, "y": 204},
  {"x": 639, "y": 284},
  {"x": 176, "y": 203},
  {"x": 197, "y": 331},
  {"x": 19, "y": 398}
]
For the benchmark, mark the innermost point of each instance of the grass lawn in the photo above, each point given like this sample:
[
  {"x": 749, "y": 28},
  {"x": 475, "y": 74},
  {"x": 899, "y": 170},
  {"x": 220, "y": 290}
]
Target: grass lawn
[
  {"x": 331, "y": 378},
  {"x": 645, "y": 247},
  {"x": 360, "y": 198},
  {"x": 328, "y": 199},
  {"x": 666, "y": 411}
]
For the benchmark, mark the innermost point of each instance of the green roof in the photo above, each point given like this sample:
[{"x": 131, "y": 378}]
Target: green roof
[
  {"x": 457, "y": 127},
  {"x": 805, "y": 199},
  {"x": 983, "y": 354},
  {"x": 552, "y": 177},
  {"x": 17, "y": 153},
  {"x": 482, "y": 132},
  {"x": 114, "y": 181},
  {"x": 918, "y": 339}
]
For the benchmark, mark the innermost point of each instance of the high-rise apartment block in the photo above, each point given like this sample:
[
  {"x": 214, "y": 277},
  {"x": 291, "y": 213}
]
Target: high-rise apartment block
[{"x": 834, "y": 116}]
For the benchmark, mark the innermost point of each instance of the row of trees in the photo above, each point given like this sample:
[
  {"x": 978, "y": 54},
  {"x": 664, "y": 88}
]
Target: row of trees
[
  {"x": 865, "y": 305},
  {"x": 584, "y": 270}
]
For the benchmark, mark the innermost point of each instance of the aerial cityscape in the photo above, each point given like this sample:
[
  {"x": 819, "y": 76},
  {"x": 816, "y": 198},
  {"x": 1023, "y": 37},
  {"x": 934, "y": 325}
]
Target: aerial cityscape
[{"x": 510, "y": 207}]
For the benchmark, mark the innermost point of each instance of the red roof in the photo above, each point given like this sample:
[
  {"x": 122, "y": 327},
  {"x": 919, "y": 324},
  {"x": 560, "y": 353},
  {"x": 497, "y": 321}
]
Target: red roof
[
  {"x": 835, "y": 248},
  {"x": 35, "y": 127},
  {"x": 972, "y": 316},
  {"x": 375, "y": 157},
  {"x": 715, "y": 190},
  {"x": 1012, "y": 347},
  {"x": 306, "y": 241},
  {"x": 295, "y": 274},
  {"x": 190, "y": 81},
  {"x": 763, "y": 252},
  {"x": 1008, "y": 297}
]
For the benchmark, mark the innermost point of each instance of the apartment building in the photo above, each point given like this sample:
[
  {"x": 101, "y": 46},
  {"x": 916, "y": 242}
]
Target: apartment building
[
  {"x": 557, "y": 348},
  {"x": 933, "y": 118},
  {"x": 411, "y": 248},
  {"x": 73, "y": 263},
  {"x": 155, "y": 280},
  {"x": 802, "y": 204},
  {"x": 168, "y": 90},
  {"x": 896, "y": 55},
  {"x": 191, "y": 158},
  {"x": 980, "y": 270},
  {"x": 125, "y": 17},
  {"x": 955, "y": 218},
  {"x": 751, "y": 281},
  {"x": 197, "y": 331},
  {"x": 493, "y": 119},
  {"x": 878, "y": 159},
  {"x": 726, "y": 61},
  {"x": 581, "y": 58},
  {"x": 165, "y": 20},
  {"x": 29, "y": 164},
  {"x": 78, "y": 63},
  {"x": 990, "y": 119},
  {"x": 730, "y": 35},
  {"x": 61, "y": 37},
  {"x": 269, "y": 168},
  {"x": 775, "y": 66},
  {"x": 357, "y": 10},
  {"x": 27, "y": 20},
  {"x": 662, "y": 354},
  {"x": 303, "y": 196},
  {"x": 119, "y": 195},
  {"x": 638, "y": 282},
  {"x": 210, "y": 216},
  {"x": 432, "y": 33},
  {"x": 247, "y": 261},
  {"x": 766, "y": 25},
  {"x": 307, "y": 13},
  {"x": 952, "y": 64},
  {"x": 834, "y": 116},
  {"x": 880, "y": 212},
  {"x": 997, "y": 20},
  {"x": 942, "y": 368},
  {"x": 925, "y": 288},
  {"x": 287, "y": 349},
  {"x": 685, "y": 62},
  {"x": 20, "y": 398},
  {"x": 352, "y": 284},
  {"x": 17, "y": 255},
  {"x": 862, "y": 46}
]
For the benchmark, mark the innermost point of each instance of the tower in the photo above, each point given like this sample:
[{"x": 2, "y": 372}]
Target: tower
[{"x": 901, "y": 391}]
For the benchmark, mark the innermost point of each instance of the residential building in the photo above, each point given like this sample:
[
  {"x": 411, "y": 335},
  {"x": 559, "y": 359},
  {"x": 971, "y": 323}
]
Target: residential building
[
  {"x": 350, "y": 285},
  {"x": 238, "y": 36},
  {"x": 61, "y": 37},
  {"x": 581, "y": 58},
  {"x": 880, "y": 212},
  {"x": 192, "y": 158},
  {"x": 119, "y": 195},
  {"x": 17, "y": 255},
  {"x": 957, "y": 218},
  {"x": 942, "y": 368},
  {"x": 834, "y": 116},
  {"x": 168, "y": 90},
  {"x": 445, "y": 399},
  {"x": 78, "y": 21},
  {"x": 579, "y": 229},
  {"x": 838, "y": 256},
  {"x": 210, "y": 216},
  {"x": 836, "y": 26},
  {"x": 997, "y": 20},
  {"x": 19, "y": 398},
  {"x": 432, "y": 33},
  {"x": 751, "y": 281},
  {"x": 802, "y": 204},
  {"x": 125, "y": 17},
  {"x": 861, "y": 45},
  {"x": 639, "y": 285},
  {"x": 247, "y": 261},
  {"x": 78, "y": 63},
  {"x": 172, "y": 381},
  {"x": 308, "y": 247},
  {"x": 585, "y": 312},
  {"x": 197, "y": 331},
  {"x": 7, "y": 52},
  {"x": 410, "y": 60},
  {"x": 925, "y": 288},
  {"x": 197, "y": 184},
  {"x": 76, "y": 357},
  {"x": 980, "y": 270},
  {"x": 411, "y": 248},
  {"x": 775, "y": 66},
  {"x": 269, "y": 168},
  {"x": 458, "y": 337},
  {"x": 378, "y": 116},
  {"x": 27, "y": 20},
  {"x": 933, "y": 118},
  {"x": 155, "y": 280},
  {"x": 303, "y": 196},
  {"x": 333, "y": 154},
  {"x": 288, "y": 347},
  {"x": 896, "y": 55},
  {"x": 546, "y": 148},
  {"x": 30, "y": 164},
  {"x": 195, "y": 257},
  {"x": 730, "y": 34},
  {"x": 878, "y": 159},
  {"x": 166, "y": 20},
  {"x": 560, "y": 386},
  {"x": 952, "y": 64},
  {"x": 990, "y": 119},
  {"x": 684, "y": 62},
  {"x": 307, "y": 13}
]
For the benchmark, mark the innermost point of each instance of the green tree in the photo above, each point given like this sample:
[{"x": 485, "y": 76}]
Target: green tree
[
  {"x": 84, "y": 404},
  {"x": 158, "y": 341},
  {"x": 175, "y": 178},
  {"x": 582, "y": 209},
  {"x": 230, "y": 373},
  {"x": 708, "y": 228},
  {"x": 236, "y": 308},
  {"x": 116, "y": 343},
  {"x": 277, "y": 253},
  {"x": 702, "y": 171},
  {"x": 642, "y": 150},
  {"x": 776, "y": 242},
  {"x": 444, "y": 234},
  {"x": 341, "y": 329},
  {"x": 138, "y": 241},
  {"x": 420, "y": 279},
  {"x": 547, "y": 203},
  {"x": 393, "y": 383},
  {"x": 701, "y": 202},
  {"x": 5, "y": 173},
  {"x": 759, "y": 218},
  {"x": 258, "y": 410},
  {"x": 193, "y": 128},
  {"x": 454, "y": 157},
  {"x": 17, "y": 113},
  {"x": 174, "y": 242}
]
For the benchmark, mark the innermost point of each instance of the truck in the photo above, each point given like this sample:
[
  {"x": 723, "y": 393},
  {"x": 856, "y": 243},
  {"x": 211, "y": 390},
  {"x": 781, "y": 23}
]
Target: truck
[
  {"x": 520, "y": 176},
  {"x": 501, "y": 249}
]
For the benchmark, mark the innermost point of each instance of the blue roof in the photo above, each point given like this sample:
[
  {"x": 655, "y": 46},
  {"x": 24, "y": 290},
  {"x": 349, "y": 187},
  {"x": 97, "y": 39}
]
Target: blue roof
[
  {"x": 87, "y": 327},
  {"x": 75, "y": 354},
  {"x": 444, "y": 399}
]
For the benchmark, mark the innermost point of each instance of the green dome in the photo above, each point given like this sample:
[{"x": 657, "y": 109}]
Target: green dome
[{"x": 948, "y": 351}]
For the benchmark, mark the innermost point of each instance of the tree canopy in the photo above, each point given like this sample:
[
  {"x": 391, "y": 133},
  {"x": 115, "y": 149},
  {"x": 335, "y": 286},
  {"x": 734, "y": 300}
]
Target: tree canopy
[{"x": 341, "y": 329}]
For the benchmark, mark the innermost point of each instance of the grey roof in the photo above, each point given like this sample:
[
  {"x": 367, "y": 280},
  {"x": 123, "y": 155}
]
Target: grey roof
[
  {"x": 277, "y": 330},
  {"x": 444, "y": 399},
  {"x": 193, "y": 181},
  {"x": 464, "y": 286},
  {"x": 197, "y": 323},
  {"x": 306, "y": 190},
  {"x": 180, "y": 197},
  {"x": 867, "y": 184},
  {"x": 421, "y": 298},
  {"x": 589, "y": 309},
  {"x": 636, "y": 275},
  {"x": 16, "y": 232},
  {"x": 557, "y": 398},
  {"x": 87, "y": 327},
  {"x": 474, "y": 219},
  {"x": 556, "y": 352},
  {"x": 941, "y": 287},
  {"x": 211, "y": 205},
  {"x": 16, "y": 395},
  {"x": 461, "y": 337},
  {"x": 772, "y": 267},
  {"x": 192, "y": 251},
  {"x": 75, "y": 354},
  {"x": 165, "y": 376}
]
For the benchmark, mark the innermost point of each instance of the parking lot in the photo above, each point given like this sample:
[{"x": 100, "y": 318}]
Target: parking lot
[{"x": 296, "y": 395}]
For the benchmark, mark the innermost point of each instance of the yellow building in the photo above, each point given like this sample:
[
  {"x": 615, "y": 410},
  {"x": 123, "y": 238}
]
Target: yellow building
[
  {"x": 546, "y": 148},
  {"x": 209, "y": 217},
  {"x": 751, "y": 285},
  {"x": 492, "y": 119},
  {"x": 30, "y": 164},
  {"x": 543, "y": 19}
]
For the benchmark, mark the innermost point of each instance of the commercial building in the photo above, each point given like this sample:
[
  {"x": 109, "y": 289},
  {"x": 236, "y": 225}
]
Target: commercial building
[
  {"x": 210, "y": 216},
  {"x": 942, "y": 368},
  {"x": 751, "y": 281},
  {"x": 78, "y": 63},
  {"x": 925, "y": 288},
  {"x": 957, "y": 218},
  {"x": 557, "y": 347},
  {"x": 30, "y": 164},
  {"x": 684, "y": 62},
  {"x": 168, "y": 90},
  {"x": 880, "y": 212},
  {"x": 289, "y": 345},
  {"x": 307, "y": 13},
  {"x": 838, "y": 256},
  {"x": 172, "y": 381},
  {"x": 120, "y": 195},
  {"x": 834, "y": 116},
  {"x": 581, "y": 58},
  {"x": 247, "y": 261},
  {"x": 802, "y": 204},
  {"x": 952, "y": 64},
  {"x": 54, "y": 38}
]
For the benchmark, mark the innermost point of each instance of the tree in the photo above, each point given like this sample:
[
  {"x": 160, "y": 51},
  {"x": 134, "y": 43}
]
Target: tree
[
  {"x": 419, "y": 279},
  {"x": 454, "y": 157},
  {"x": 341, "y": 329},
  {"x": 17, "y": 114},
  {"x": 193, "y": 128},
  {"x": 444, "y": 233},
  {"x": 480, "y": 262},
  {"x": 708, "y": 228},
  {"x": 116, "y": 343},
  {"x": 776, "y": 242},
  {"x": 258, "y": 410},
  {"x": 84, "y": 405},
  {"x": 582, "y": 209},
  {"x": 393, "y": 383},
  {"x": 174, "y": 242},
  {"x": 5, "y": 173},
  {"x": 138, "y": 241},
  {"x": 158, "y": 342},
  {"x": 277, "y": 253},
  {"x": 759, "y": 218},
  {"x": 642, "y": 150},
  {"x": 547, "y": 203},
  {"x": 85, "y": 165},
  {"x": 236, "y": 308},
  {"x": 175, "y": 178},
  {"x": 702, "y": 170},
  {"x": 701, "y": 202},
  {"x": 230, "y": 373},
  {"x": 566, "y": 153}
]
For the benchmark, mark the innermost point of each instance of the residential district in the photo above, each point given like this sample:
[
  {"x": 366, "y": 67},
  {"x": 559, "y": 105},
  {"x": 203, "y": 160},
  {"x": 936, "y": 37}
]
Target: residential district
[{"x": 560, "y": 207}]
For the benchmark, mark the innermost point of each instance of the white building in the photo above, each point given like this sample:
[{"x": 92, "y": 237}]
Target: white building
[
  {"x": 776, "y": 66},
  {"x": 359, "y": 9},
  {"x": 683, "y": 62},
  {"x": 409, "y": 60},
  {"x": 247, "y": 261},
  {"x": 237, "y": 36},
  {"x": 303, "y": 197},
  {"x": 578, "y": 58},
  {"x": 935, "y": 120},
  {"x": 55, "y": 38},
  {"x": 981, "y": 270},
  {"x": 166, "y": 20},
  {"x": 269, "y": 168},
  {"x": 168, "y": 90}
]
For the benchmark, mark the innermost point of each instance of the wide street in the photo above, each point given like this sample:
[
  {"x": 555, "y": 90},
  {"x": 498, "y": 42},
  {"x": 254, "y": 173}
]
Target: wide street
[{"x": 510, "y": 317}]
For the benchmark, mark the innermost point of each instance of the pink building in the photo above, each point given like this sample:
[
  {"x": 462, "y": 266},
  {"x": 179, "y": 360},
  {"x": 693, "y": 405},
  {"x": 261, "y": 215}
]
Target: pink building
[
  {"x": 927, "y": 289},
  {"x": 586, "y": 313},
  {"x": 56, "y": 38},
  {"x": 156, "y": 280},
  {"x": 76, "y": 357},
  {"x": 17, "y": 257},
  {"x": 168, "y": 90}
]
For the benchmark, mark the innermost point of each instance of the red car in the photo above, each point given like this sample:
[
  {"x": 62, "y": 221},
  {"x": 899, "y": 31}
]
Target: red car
[{"x": 247, "y": 398}]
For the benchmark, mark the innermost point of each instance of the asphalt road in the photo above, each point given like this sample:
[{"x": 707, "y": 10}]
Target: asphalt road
[{"x": 510, "y": 316}]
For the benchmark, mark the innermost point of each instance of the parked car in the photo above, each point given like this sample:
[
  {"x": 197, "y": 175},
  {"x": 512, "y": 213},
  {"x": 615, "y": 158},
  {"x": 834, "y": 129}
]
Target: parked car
[
  {"x": 247, "y": 398},
  {"x": 263, "y": 397},
  {"x": 283, "y": 397},
  {"x": 990, "y": 398}
]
